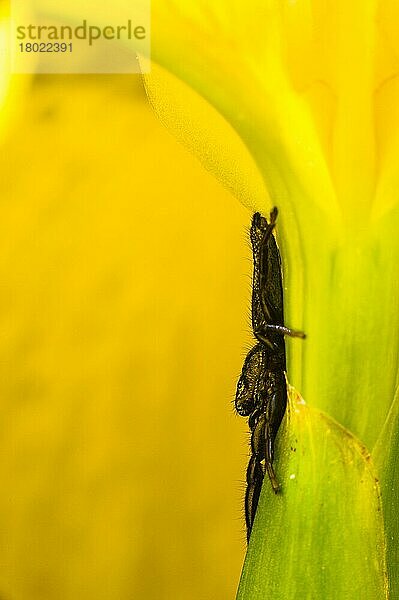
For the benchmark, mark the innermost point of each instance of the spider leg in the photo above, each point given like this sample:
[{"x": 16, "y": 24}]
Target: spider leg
[
  {"x": 285, "y": 330},
  {"x": 254, "y": 486},
  {"x": 255, "y": 471},
  {"x": 274, "y": 413},
  {"x": 258, "y": 333},
  {"x": 261, "y": 223},
  {"x": 269, "y": 455}
]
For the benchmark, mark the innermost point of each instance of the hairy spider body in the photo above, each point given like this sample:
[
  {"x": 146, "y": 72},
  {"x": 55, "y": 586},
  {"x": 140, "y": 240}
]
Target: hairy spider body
[{"x": 262, "y": 390}]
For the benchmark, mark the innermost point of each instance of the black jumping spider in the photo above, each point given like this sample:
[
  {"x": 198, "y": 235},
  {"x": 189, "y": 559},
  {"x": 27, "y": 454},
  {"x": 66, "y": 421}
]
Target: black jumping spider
[{"x": 262, "y": 390}]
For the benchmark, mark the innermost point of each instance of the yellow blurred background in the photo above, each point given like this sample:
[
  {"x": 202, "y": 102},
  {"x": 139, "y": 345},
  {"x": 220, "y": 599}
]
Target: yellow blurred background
[{"x": 125, "y": 291}]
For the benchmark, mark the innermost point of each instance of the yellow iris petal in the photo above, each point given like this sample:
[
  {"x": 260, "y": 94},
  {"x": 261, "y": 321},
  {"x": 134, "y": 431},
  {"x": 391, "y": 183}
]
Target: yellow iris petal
[{"x": 310, "y": 87}]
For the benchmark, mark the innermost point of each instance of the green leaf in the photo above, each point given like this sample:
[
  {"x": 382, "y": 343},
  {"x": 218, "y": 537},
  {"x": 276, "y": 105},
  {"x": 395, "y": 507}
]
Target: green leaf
[
  {"x": 385, "y": 455},
  {"x": 322, "y": 536}
]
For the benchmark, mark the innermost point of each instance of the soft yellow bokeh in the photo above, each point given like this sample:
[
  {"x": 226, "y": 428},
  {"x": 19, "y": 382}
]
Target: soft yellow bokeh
[
  {"x": 11, "y": 87},
  {"x": 124, "y": 287}
]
